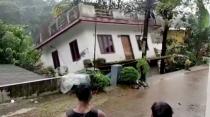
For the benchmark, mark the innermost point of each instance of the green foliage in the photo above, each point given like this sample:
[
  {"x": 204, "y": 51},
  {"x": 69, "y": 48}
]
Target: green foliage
[
  {"x": 180, "y": 56},
  {"x": 26, "y": 12},
  {"x": 199, "y": 25},
  {"x": 100, "y": 4},
  {"x": 129, "y": 75},
  {"x": 142, "y": 63},
  {"x": 98, "y": 80},
  {"x": 62, "y": 6},
  {"x": 134, "y": 7},
  {"x": 16, "y": 47},
  {"x": 196, "y": 46},
  {"x": 47, "y": 72},
  {"x": 187, "y": 63},
  {"x": 165, "y": 8}
]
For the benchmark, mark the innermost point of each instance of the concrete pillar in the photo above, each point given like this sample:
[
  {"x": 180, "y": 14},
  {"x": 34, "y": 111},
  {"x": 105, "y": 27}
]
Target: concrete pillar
[
  {"x": 115, "y": 73},
  {"x": 4, "y": 96}
]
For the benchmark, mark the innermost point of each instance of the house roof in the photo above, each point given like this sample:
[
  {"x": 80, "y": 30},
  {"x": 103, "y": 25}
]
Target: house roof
[
  {"x": 98, "y": 20},
  {"x": 11, "y": 74}
]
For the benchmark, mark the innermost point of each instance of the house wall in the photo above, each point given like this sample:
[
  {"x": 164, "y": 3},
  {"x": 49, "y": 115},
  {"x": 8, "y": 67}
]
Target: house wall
[
  {"x": 61, "y": 44},
  {"x": 116, "y": 31},
  {"x": 178, "y": 35},
  {"x": 85, "y": 35}
]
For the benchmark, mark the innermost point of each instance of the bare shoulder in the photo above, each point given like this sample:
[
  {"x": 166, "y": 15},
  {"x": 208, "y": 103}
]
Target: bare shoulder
[{"x": 101, "y": 113}]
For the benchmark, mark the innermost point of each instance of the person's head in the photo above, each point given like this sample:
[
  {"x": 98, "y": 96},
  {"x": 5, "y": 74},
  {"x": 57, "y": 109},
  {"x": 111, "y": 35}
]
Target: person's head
[
  {"x": 84, "y": 93},
  {"x": 161, "y": 109}
]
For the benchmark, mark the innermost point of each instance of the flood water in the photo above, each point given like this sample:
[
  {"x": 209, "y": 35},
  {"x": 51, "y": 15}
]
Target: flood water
[{"x": 184, "y": 91}]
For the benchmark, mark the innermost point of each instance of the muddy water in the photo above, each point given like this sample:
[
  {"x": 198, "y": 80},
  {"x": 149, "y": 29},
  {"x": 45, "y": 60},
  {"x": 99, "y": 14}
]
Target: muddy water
[{"x": 185, "y": 92}]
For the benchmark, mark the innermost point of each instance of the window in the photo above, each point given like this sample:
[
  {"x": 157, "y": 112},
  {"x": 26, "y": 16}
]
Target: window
[
  {"x": 55, "y": 58},
  {"x": 140, "y": 42},
  {"x": 74, "y": 50},
  {"x": 106, "y": 44}
]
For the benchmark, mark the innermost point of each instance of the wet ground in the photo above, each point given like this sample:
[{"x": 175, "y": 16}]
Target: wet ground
[{"x": 185, "y": 91}]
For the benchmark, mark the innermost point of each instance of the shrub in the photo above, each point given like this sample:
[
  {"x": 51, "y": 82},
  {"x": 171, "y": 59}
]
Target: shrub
[
  {"x": 129, "y": 75},
  {"x": 142, "y": 63},
  {"x": 98, "y": 80},
  {"x": 47, "y": 72}
]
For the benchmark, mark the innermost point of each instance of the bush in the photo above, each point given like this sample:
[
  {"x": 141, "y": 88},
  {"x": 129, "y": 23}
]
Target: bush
[
  {"x": 142, "y": 63},
  {"x": 45, "y": 71},
  {"x": 129, "y": 75},
  {"x": 98, "y": 80}
]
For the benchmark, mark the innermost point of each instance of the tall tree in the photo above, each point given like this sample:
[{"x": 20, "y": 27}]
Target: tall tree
[
  {"x": 199, "y": 25},
  {"x": 165, "y": 8},
  {"x": 16, "y": 46},
  {"x": 148, "y": 9}
]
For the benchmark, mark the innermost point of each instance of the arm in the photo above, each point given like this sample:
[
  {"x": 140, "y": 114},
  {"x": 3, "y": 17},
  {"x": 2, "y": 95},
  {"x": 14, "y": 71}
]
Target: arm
[{"x": 101, "y": 114}]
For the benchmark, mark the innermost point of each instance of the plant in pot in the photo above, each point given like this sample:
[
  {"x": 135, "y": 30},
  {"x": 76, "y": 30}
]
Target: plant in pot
[
  {"x": 128, "y": 76},
  {"x": 143, "y": 68},
  {"x": 98, "y": 80}
]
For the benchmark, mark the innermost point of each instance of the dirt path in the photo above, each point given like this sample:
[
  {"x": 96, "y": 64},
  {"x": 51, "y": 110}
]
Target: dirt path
[{"x": 185, "y": 91}]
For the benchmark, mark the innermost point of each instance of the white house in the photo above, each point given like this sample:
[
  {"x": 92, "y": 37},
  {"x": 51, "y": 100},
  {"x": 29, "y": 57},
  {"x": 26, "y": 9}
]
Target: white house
[{"x": 71, "y": 37}]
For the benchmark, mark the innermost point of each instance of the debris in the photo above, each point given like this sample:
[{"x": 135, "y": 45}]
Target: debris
[
  {"x": 12, "y": 101},
  {"x": 31, "y": 100},
  {"x": 36, "y": 102}
]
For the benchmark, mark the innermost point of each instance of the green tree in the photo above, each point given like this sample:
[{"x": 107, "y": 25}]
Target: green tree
[
  {"x": 16, "y": 47},
  {"x": 199, "y": 26},
  {"x": 165, "y": 8},
  {"x": 62, "y": 6},
  {"x": 197, "y": 42},
  {"x": 100, "y": 4},
  {"x": 27, "y": 12}
]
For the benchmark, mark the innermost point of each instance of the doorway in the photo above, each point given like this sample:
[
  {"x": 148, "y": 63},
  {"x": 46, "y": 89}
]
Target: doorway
[{"x": 127, "y": 47}]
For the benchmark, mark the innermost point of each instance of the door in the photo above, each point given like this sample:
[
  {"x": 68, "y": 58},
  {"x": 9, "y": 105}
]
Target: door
[
  {"x": 127, "y": 47},
  {"x": 55, "y": 58},
  {"x": 74, "y": 50}
]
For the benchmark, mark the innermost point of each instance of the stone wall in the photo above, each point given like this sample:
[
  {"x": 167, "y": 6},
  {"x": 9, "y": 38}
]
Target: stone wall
[{"x": 30, "y": 89}]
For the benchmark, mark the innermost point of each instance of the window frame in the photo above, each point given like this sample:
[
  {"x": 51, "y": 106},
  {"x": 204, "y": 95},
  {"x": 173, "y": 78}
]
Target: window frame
[
  {"x": 55, "y": 58},
  {"x": 104, "y": 39},
  {"x": 140, "y": 45},
  {"x": 74, "y": 50}
]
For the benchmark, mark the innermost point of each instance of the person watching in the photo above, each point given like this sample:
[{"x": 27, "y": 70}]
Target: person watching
[
  {"x": 83, "y": 109},
  {"x": 161, "y": 109}
]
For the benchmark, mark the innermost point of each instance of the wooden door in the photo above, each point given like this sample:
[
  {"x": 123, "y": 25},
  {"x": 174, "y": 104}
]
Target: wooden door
[{"x": 127, "y": 47}]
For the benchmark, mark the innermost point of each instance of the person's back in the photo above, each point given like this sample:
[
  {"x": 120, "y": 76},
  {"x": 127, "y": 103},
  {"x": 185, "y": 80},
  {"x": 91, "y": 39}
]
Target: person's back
[
  {"x": 91, "y": 113},
  {"x": 83, "y": 109},
  {"x": 161, "y": 109}
]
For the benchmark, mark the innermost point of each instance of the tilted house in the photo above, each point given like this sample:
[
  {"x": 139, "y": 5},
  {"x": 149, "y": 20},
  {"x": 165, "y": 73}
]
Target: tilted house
[{"x": 71, "y": 37}]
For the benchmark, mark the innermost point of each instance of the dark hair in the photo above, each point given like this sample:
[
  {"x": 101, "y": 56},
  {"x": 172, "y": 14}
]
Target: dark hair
[
  {"x": 161, "y": 109},
  {"x": 83, "y": 92}
]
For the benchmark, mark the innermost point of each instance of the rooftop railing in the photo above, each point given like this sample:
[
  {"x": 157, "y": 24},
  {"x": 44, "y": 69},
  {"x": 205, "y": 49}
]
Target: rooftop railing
[{"x": 75, "y": 13}]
